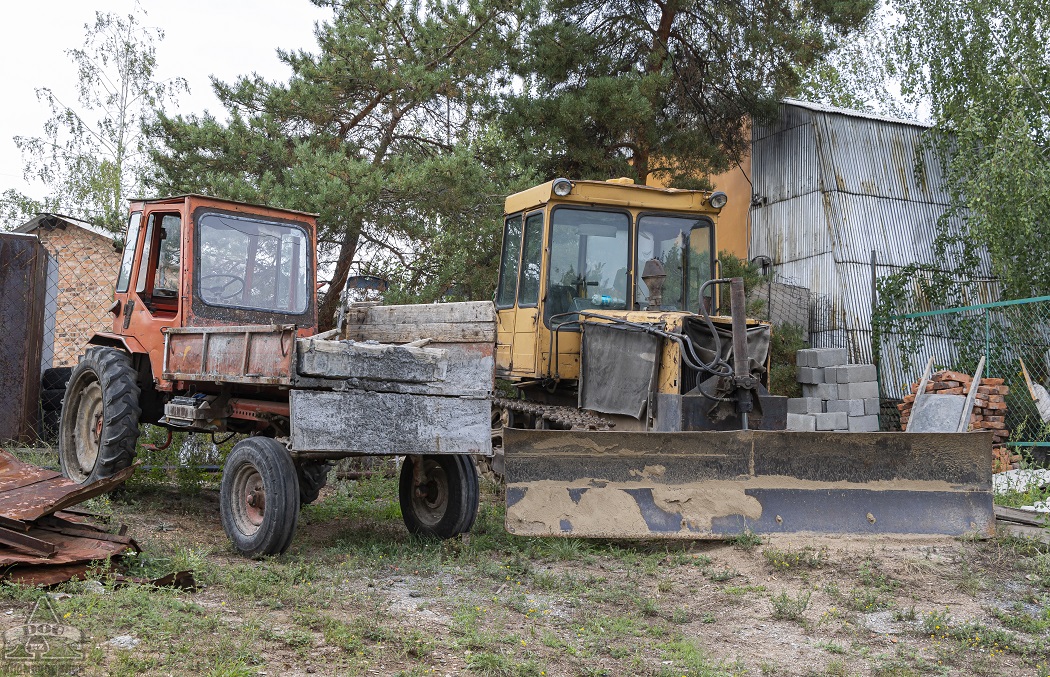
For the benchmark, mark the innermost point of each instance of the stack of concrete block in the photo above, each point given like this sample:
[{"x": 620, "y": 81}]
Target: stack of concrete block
[{"x": 835, "y": 395}]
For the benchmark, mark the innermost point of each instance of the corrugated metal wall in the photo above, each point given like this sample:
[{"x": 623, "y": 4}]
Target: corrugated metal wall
[{"x": 830, "y": 187}]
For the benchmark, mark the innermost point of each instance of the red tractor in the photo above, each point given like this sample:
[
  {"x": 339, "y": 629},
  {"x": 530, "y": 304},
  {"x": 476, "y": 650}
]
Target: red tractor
[{"x": 215, "y": 330}]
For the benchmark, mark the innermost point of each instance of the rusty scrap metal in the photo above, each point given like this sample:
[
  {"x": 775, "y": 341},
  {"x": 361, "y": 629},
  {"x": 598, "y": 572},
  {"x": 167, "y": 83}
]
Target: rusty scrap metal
[{"x": 41, "y": 543}]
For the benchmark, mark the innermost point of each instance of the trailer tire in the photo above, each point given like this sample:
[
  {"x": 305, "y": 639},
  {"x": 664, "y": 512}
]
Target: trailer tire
[
  {"x": 448, "y": 502},
  {"x": 99, "y": 423},
  {"x": 313, "y": 476},
  {"x": 259, "y": 497}
]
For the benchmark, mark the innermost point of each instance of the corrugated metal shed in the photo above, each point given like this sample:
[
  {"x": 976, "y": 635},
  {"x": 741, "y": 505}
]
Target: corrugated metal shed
[{"x": 831, "y": 186}]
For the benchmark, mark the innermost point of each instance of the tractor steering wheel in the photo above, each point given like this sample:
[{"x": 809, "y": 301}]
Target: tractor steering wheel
[{"x": 219, "y": 291}]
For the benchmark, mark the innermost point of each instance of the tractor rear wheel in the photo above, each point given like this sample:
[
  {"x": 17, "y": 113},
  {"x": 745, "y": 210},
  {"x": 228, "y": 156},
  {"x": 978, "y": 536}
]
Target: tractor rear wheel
[
  {"x": 441, "y": 497},
  {"x": 99, "y": 424},
  {"x": 259, "y": 497}
]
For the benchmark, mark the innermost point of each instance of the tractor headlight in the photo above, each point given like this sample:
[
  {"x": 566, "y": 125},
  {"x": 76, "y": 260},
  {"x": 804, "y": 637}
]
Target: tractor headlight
[
  {"x": 718, "y": 199},
  {"x": 562, "y": 187}
]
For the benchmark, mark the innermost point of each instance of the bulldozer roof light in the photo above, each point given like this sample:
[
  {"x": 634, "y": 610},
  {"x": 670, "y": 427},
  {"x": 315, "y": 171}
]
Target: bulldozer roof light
[
  {"x": 718, "y": 199},
  {"x": 562, "y": 187}
]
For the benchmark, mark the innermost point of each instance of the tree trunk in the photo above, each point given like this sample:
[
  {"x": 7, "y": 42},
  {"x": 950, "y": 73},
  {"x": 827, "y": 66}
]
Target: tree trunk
[{"x": 327, "y": 309}]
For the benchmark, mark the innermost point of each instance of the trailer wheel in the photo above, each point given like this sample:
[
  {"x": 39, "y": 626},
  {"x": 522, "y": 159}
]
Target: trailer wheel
[
  {"x": 259, "y": 497},
  {"x": 442, "y": 500},
  {"x": 99, "y": 423},
  {"x": 313, "y": 476}
]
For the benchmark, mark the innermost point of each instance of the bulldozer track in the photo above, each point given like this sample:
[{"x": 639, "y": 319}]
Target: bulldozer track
[{"x": 556, "y": 416}]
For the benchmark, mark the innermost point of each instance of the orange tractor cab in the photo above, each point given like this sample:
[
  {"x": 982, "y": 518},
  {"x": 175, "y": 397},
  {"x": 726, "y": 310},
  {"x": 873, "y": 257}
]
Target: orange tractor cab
[{"x": 215, "y": 330}]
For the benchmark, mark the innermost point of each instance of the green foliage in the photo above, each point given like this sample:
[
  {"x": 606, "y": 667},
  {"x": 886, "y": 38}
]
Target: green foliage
[
  {"x": 985, "y": 70},
  {"x": 660, "y": 90},
  {"x": 378, "y": 132},
  {"x": 91, "y": 156},
  {"x": 785, "y": 342}
]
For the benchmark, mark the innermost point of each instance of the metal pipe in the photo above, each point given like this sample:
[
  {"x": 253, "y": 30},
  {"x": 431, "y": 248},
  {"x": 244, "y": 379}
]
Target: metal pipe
[{"x": 739, "y": 316}]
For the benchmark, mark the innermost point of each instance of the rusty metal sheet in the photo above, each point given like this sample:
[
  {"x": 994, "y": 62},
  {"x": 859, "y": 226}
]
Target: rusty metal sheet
[
  {"x": 47, "y": 492},
  {"x": 717, "y": 484},
  {"x": 259, "y": 354},
  {"x": 69, "y": 549},
  {"x": 23, "y": 287},
  {"x": 34, "y": 575}
]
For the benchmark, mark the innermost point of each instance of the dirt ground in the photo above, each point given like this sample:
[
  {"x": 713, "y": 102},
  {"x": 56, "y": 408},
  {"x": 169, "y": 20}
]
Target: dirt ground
[{"x": 356, "y": 595}]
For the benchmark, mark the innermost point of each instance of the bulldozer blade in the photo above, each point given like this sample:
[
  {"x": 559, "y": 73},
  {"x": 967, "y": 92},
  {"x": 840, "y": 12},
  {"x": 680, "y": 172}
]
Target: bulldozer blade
[{"x": 691, "y": 485}]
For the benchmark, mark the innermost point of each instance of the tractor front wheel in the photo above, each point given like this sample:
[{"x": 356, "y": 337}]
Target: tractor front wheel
[
  {"x": 259, "y": 497},
  {"x": 99, "y": 424},
  {"x": 440, "y": 497}
]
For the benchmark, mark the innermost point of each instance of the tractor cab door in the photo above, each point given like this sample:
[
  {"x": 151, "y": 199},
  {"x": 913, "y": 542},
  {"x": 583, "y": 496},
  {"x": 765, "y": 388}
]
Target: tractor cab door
[
  {"x": 518, "y": 294},
  {"x": 155, "y": 281}
]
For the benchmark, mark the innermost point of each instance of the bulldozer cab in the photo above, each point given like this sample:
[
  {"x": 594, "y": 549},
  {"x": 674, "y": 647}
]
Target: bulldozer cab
[
  {"x": 584, "y": 246},
  {"x": 196, "y": 261}
]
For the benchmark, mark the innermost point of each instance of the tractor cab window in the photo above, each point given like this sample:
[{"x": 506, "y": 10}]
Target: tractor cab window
[
  {"x": 158, "y": 280},
  {"x": 683, "y": 246},
  {"x": 588, "y": 262},
  {"x": 249, "y": 263}
]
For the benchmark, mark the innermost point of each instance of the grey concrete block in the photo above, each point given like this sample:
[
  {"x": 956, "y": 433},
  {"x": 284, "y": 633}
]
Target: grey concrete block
[
  {"x": 871, "y": 406},
  {"x": 864, "y": 424},
  {"x": 837, "y": 420},
  {"x": 806, "y": 358},
  {"x": 858, "y": 391},
  {"x": 823, "y": 391},
  {"x": 831, "y": 357},
  {"x": 854, "y": 373},
  {"x": 801, "y": 422},
  {"x": 851, "y": 407},
  {"x": 805, "y": 405},
  {"x": 809, "y": 375}
]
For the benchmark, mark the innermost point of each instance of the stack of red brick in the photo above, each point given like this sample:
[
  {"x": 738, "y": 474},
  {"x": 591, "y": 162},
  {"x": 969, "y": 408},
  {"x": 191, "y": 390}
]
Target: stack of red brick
[{"x": 989, "y": 409}]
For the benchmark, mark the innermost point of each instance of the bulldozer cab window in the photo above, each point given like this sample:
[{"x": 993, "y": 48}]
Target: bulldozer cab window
[
  {"x": 158, "y": 280},
  {"x": 683, "y": 245},
  {"x": 508, "y": 267},
  {"x": 531, "y": 260},
  {"x": 253, "y": 264},
  {"x": 590, "y": 255}
]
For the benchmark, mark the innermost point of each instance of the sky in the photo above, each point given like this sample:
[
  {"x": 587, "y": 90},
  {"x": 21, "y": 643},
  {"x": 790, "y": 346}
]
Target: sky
[{"x": 224, "y": 38}]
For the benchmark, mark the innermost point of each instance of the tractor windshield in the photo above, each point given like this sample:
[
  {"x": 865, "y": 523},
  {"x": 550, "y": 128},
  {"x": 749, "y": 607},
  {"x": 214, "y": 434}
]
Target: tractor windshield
[
  {"x": 588, "y": 263},
  {"x": 683, "y": 245},
  {"x": 249, "y": 263}
]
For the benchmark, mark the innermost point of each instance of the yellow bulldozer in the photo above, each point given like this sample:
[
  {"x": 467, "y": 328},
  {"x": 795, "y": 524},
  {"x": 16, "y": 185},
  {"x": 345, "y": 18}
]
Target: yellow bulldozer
[{"x": 630, "y": 413}]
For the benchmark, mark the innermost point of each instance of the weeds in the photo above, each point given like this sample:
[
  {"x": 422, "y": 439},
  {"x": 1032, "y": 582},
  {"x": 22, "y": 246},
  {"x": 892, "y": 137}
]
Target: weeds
[
  {"x": 788, "y": 608},
  {"x": 807, "y": 557}
]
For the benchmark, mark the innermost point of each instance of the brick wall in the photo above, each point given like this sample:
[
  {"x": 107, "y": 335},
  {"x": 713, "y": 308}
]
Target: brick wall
[{"x": 87, "y": 270}]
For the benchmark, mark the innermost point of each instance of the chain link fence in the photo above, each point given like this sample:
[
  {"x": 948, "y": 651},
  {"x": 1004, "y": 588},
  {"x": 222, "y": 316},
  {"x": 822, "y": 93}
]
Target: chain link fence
[
  {"x": 1013, "y": 337},
  {"x": 66, "y": 269}
]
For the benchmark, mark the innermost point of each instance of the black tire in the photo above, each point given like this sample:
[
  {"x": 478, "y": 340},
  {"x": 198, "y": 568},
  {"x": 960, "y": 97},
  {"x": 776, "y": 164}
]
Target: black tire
[
  {"x": 313, "y": 476},
  {"x": 51, "y": 400},
  {"x": 451, "y": 494},
  {"x": 56, "y": 378},
  {"x": 259, "y": 465},
  {"x": 100, "y": 417},
  {"x": 49, "y": 422}
]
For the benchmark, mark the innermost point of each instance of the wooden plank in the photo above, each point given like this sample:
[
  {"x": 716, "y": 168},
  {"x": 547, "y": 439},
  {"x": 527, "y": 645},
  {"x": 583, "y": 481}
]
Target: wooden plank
[
  {"x": 1025, "y": 531},
  {"x": 439, "y": 332},
  {"x": 1028, "y": 517},
  {"x": 469, "y": 312},
  {"x": 376, "y": 362},
  {"x": 374, "y": 423}
]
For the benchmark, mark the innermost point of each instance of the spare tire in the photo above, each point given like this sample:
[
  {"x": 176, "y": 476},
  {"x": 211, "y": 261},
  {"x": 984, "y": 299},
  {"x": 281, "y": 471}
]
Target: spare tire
[
  {"x": 51, "y": 400},
  {"x": 56, "y": 378}
]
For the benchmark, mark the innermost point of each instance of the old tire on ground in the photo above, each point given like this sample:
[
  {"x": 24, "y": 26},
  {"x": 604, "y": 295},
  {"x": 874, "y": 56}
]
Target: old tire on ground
[
  {"x": 259, "y": 497},
  {"x": 99, "y": 424},
  {"x": 313, "y": 476},
  {"x": 55, "y": 378},
  {"x": 445, "y": 503}
]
